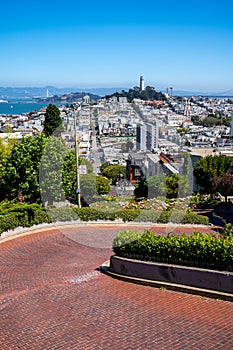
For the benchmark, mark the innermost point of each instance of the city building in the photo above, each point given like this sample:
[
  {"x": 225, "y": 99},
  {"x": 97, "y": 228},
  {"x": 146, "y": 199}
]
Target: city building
[
  {"x": 147, "y": 135},
  {"x": 231, "y": 132}
]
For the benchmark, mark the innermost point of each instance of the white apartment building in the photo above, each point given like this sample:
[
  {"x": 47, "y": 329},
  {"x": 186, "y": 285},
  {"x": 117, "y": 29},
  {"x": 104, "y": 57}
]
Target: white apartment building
[
  {"x": 141, "y": 137},
  {"x": 147, "y": 135}
]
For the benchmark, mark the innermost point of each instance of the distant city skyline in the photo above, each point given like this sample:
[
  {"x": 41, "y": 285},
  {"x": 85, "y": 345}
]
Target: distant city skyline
[{"x": 179, "y": 44}]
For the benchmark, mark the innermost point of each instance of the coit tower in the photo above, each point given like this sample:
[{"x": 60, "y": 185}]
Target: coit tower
[{"x": 142, "y": 86}]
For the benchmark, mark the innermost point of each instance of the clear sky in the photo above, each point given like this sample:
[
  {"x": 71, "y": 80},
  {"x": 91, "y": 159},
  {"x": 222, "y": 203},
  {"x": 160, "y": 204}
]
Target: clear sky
[{"x": 184, "y": 44}]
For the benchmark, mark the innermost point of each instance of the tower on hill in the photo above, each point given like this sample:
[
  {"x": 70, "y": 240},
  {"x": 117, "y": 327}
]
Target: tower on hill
[{"x": 142, "y": 84}]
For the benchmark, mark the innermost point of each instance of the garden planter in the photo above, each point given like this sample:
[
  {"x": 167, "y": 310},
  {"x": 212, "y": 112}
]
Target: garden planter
[{"x": 221, "y": 281}]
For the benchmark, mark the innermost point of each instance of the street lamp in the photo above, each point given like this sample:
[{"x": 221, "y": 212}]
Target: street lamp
[{"x": 77, "y": 141}]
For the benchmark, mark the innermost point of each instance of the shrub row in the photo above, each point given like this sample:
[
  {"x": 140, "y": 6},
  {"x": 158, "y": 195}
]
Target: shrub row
[
  {"x": 21, "y": 214},
  {"x": 92, "y": 214},
  {"x": 17, "y": 214},
  {"x": 177, "y": 216},
  {"x": 200, "y": 250}
]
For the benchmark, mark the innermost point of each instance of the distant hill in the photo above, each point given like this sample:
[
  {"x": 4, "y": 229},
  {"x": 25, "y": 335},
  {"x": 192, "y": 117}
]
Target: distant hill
[
  {"x": 148, "y": 94},
  {"x": 70, "y": 98},
  {"x": 48, "y": 91},
  {"x": 41, "y": 92},
  {"x": 199, "y": 93},
  {"x": 105, "y": 91},
  {"x": 31, "y": 92}
]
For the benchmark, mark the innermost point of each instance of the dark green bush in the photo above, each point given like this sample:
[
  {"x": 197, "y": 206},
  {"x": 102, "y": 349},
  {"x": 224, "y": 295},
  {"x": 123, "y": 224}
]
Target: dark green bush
[
  {"x": 201, "y": 250},
  {"x": 149, "y": 216},
  {"x": 61, "y": 214},
  {"x": 40, "y": 217},
  {"x": 91, "y": 214},
  {"x": 192, "y": 218},
  {"x": 128, "y": 214},
  {"x": 11, "y": 221},
  {"x": 166, "y": 216},
  {"x": 14, "y": 214},
  {"x": 227, "y": 230}
]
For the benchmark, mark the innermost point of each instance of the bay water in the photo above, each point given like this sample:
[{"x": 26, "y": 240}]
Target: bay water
[{"x": 21, "y": 107}]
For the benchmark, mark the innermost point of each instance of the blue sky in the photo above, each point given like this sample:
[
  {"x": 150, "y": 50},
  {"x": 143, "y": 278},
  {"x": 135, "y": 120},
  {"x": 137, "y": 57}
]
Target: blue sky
[{"x": 184, "y": 44}]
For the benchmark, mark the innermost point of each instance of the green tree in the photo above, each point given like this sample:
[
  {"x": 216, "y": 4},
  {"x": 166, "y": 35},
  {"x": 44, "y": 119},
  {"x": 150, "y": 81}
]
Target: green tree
[
  {"x": 8, "y": 129},
  {"x": 208, "y": 167},
  {"x": 21, "y": 170},
  {"x": 148, "y": 94},
  {"x": 103, "y": 166},
  {"x": 69, "y": 173},
  {"x": 5, "y": 150},
  {"x": 141, "y": 189},
  {"x": 223, "y": 184},
  {"x": 182, "y": 130},
  {"x": 53, "y": 121},
  {"x": 92, "y": 186},
  {"x": 51, "y": 170},
  {"x": 156, "y": 186},
  {"x": 152, "y": 187},
  {"x": 102, "y": 185},
  {"x": 172, "y": 183},
  {"x": 210, "y": 121},
  {"x": 174, "y": 186},
  {"x": 114, "y": 172},
  {"x": 88, "y": 187},
  {"x": 178, "y": 186}
]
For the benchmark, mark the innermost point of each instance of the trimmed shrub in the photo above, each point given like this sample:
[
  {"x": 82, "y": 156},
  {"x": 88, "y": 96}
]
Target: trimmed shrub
[
  {"x": 165, "y": 216},
  {"x": 200, "y": 250},
  {"x": 14, "y": 214},
  {"x": 128, "y": 214},
  {"x": 12, "y": 220},
  {"x": 61, "y": 214},
  {"x": 91, "y": 214},
  {"x": 149, "y": 216},
  {"x": 192, "y": 218}
]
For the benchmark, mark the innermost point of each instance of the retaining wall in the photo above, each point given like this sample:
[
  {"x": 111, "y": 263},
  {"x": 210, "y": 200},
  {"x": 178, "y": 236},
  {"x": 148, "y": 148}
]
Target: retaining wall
[{"x": 221, "y": 281}]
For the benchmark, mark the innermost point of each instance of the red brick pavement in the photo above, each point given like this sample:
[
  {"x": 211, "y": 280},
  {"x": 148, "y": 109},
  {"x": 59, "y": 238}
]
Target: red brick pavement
[{"x": 52, "y": 297}]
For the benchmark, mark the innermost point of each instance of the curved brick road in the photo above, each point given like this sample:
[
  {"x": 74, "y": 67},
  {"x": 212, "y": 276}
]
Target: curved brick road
[{"x": 52, "y": 297}]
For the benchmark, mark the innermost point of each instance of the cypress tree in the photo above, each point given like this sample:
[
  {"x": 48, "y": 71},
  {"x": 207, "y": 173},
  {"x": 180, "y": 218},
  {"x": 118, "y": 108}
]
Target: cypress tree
[{"x": 52, "y": 120}]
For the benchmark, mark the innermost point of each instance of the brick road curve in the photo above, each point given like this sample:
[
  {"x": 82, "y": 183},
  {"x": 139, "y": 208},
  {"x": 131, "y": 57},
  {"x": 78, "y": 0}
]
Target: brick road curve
[{"x": 52, "y": 297}]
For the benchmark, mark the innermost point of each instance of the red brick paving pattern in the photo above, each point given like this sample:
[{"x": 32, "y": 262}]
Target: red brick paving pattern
[{"x": 53, "y": 297}]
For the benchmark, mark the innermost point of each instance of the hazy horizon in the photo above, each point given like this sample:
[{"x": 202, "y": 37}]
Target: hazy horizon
[{"x": 112, "y": 87}]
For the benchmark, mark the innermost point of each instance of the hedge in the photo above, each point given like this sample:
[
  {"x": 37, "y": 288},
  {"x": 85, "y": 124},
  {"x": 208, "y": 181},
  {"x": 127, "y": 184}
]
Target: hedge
[
  {"x": 14, "y": 214},
  {"x": 200, "y": 250},
  {"x": 177, "y": 216},
  {"x": 91, "y": 214}
]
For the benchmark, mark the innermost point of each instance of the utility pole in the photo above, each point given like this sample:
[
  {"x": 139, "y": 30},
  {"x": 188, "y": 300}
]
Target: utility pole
[{"x": 77, "y": 140}]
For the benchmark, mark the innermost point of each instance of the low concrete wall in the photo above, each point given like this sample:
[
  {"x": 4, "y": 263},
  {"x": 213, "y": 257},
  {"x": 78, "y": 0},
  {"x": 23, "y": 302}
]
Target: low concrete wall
[{"x": 190, "y": 276}]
